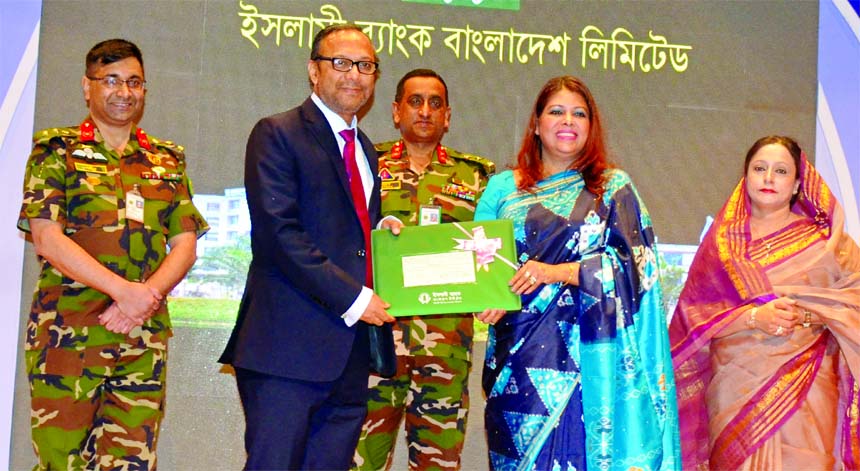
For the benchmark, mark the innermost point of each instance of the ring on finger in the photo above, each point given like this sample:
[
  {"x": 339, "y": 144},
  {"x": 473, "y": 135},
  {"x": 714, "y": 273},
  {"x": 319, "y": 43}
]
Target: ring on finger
[
  {"x": 532, "y": 279},
  {"x": 779, "y": 330}
]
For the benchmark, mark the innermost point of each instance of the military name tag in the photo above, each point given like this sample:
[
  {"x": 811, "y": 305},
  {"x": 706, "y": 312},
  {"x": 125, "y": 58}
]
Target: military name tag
[
  {"x": 390, "y": 185},
  {"x": 92, "y": 168},
  {"x": 389, "y": 182}
]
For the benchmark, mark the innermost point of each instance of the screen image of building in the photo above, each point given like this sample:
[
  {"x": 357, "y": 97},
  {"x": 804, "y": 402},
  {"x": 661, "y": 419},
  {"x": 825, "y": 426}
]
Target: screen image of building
[{"x": 223, "y": 253}]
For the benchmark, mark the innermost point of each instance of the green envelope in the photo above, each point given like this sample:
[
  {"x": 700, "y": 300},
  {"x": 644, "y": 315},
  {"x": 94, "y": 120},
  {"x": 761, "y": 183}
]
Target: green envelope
[{"x": 446, "y": 268}]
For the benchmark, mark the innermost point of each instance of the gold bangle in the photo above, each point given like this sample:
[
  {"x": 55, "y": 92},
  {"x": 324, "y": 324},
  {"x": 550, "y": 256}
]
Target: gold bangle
[
  {"x": 807, "y": 319},
  {"x": 570, "y": 276},
  {"x": 751, "y": 320}
]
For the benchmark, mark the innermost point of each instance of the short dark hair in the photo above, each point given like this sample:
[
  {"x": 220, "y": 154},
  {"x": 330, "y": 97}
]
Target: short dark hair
[
  {"x": 398, "y": 95},
  {"x": 790, "y": 145},
  {"x": 110, "y": 51}
]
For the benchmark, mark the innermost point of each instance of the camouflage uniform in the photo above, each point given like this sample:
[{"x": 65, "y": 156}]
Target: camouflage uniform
[
  {"x": 98, "y": 396},
  {"x": 433, "y": 352}
]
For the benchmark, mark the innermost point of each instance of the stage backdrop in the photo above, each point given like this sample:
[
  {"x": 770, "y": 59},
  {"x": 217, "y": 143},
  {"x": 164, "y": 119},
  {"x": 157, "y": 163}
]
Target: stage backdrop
[
  {"x": 837, "y": 140},
  {"x": 19, "y": 43},
  {"x": 684, "y": 88}
]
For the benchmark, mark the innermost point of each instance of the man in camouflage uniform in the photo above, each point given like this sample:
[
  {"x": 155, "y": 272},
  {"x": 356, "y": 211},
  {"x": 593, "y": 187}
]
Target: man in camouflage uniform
[
  {"x": 102, "y": 202},
  {"x": 424, "y": 182}
]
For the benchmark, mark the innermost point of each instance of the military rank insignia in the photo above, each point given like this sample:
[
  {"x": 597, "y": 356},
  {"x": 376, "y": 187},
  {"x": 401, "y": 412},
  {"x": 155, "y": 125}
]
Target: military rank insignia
[
  {"x": 87, "y": 153},
  {"x": 459, "y": 191},
  {"x": 389, "y": 182},
  {"x": 155, "y": 159},
  {"x": 165, "y": 176}
]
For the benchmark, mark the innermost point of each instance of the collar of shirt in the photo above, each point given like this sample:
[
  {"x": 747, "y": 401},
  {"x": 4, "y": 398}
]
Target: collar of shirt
[
  {"x": 335, "y": 122},
  {"x": 338, "y": 124}
]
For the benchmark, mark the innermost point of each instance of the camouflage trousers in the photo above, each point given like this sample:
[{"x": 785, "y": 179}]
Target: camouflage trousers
[
  {"x": 96, "y": 407},
  {"x": 433, "y": 394}
]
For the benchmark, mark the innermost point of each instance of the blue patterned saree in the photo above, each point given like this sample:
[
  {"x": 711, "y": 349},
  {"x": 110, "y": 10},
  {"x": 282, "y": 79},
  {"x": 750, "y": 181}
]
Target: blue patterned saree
[{"x": 581, "y": 378}]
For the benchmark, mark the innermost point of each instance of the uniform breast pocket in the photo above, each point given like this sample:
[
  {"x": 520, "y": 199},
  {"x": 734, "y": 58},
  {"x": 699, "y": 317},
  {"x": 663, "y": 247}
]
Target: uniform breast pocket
[
  {"x": 399, "y": 201},
  {"x": 91, "y": 200},
  {"x": 158, "y": 196}
]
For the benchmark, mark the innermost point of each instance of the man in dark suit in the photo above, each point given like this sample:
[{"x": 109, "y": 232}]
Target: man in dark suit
[{"x": 300, "y": 347}]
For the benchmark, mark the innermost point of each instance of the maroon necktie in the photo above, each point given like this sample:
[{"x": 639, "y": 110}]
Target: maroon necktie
[{"x": 357, "y": 190}]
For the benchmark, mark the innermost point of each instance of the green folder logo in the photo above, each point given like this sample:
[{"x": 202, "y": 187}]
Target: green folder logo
[{"x": 488, "y": 4}]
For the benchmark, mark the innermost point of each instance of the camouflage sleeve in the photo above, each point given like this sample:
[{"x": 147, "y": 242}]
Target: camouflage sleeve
[
  {"x": 484, "y": 169},
  {"x": 44, "y": 183},
  {"x": 185, "y": 217}
]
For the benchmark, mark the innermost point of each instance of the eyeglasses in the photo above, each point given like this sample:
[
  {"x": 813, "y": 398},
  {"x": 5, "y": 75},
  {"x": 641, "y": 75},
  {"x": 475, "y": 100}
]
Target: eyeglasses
[
  {"x": 113, "y": 82},
  {"x": 342, "y": 64}
]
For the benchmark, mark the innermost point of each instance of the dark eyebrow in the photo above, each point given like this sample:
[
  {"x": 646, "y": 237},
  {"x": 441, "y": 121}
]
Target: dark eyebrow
[{"x": 135, "y": 76}]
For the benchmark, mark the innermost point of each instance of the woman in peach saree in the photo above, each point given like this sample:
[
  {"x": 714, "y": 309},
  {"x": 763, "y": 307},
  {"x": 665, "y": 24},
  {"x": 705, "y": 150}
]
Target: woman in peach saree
[{"x": 766, "y": 335}]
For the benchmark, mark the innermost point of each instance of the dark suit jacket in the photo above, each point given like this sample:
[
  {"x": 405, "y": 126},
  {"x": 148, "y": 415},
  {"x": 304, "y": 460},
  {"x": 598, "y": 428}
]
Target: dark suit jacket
[{"x": 308, "y": 249}]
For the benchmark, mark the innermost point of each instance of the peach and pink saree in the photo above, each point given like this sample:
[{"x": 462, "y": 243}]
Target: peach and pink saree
[{"x": 753, "y": 401}]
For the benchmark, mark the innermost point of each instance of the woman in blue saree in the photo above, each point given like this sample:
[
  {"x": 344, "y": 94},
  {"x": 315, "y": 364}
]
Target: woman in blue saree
[{"x": 581, "y": 378}]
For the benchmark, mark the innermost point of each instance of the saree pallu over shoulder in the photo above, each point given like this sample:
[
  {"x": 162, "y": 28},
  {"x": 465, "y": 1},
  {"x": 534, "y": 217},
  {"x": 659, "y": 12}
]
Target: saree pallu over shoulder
[
  {"x": 809, "y": 260},
  {"x": 581, "y": 377}
]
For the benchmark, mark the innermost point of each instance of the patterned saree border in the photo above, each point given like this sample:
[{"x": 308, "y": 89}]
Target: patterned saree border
[
  {"x": 769, "y": 408},
  {"x": 731, "y": 241},
  {"x": 774, "y": 250},
  {"x": 851, "y": 428}
]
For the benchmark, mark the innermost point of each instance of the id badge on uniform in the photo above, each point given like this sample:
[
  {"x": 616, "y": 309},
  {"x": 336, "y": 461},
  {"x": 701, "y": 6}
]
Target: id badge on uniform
[
  {"x": 134, "y": 205},
  {"x": 429, "y": 214}
]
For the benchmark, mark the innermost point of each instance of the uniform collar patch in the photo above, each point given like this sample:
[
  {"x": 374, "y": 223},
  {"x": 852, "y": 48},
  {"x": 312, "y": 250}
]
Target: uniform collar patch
[
  {"x": 441, "y": 154},
  {"x": 142, "y": 139},
  {"x": 88, "y": 131},
  {"x": 397, "y": 149}
]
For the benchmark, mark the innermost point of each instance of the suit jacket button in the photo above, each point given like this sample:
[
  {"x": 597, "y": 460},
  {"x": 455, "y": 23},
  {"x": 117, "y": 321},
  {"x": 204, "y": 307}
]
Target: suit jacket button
[{"x": 361, "y": 253}]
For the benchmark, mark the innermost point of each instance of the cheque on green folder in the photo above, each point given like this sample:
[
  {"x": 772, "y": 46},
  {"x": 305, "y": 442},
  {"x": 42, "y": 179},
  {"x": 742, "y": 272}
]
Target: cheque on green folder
[{"x": 446, "y": 268}]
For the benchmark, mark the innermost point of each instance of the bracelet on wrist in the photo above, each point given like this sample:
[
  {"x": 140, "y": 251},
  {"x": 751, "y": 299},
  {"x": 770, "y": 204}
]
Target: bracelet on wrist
[
  {"x": 751, "y": 319},
  {"x": 570, "y": 275}
]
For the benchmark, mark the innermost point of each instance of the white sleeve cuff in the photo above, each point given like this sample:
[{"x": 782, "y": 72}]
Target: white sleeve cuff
[
  {"x": 390, "y": 218},
  {"x": 353, "y": 314}
]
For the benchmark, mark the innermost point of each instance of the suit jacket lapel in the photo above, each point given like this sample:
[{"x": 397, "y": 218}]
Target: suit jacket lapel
[
  {"x": 324, "y": 135},
  {"x": 373, "y": 161}
]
